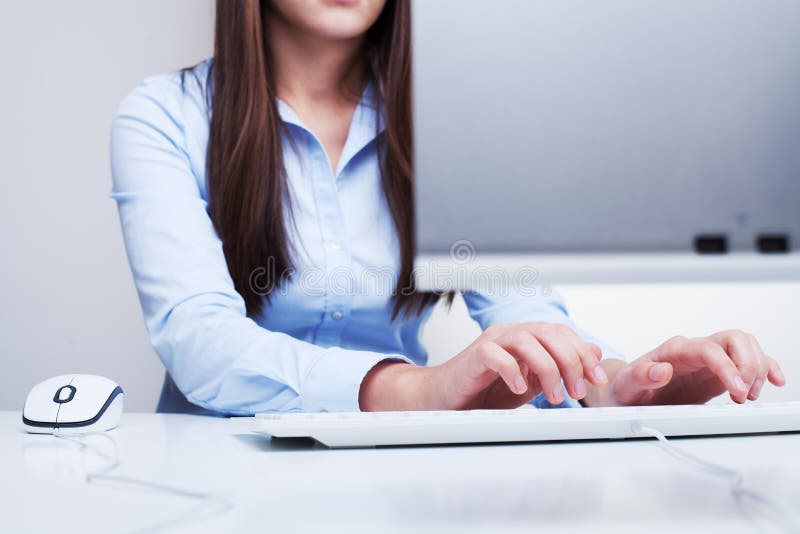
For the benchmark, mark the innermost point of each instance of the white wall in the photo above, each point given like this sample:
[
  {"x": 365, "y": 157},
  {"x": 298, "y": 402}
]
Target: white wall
[{"x": 68, "y": 300}]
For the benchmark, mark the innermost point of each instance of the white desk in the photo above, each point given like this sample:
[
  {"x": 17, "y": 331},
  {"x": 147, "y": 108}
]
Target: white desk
[{"x": 626, "y": 486}]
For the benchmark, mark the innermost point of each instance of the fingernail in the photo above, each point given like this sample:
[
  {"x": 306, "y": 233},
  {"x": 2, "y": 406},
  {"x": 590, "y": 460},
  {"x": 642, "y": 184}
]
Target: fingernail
[
  {"x": 558, "y": 394},
  {"x": 519, "y": 384},
  {"x": 756, "y": 389},
  {"x": 655, "y": 372},
  {"x": 600, "y": 375},
  {"x": 740, "y": 385},
  {"x": 779, "y": 375},
  {"x": 580, "y": 388}
]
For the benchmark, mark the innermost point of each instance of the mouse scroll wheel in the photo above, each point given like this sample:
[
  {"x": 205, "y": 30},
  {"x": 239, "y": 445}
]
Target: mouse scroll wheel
[{"x": 64, "y": 394}]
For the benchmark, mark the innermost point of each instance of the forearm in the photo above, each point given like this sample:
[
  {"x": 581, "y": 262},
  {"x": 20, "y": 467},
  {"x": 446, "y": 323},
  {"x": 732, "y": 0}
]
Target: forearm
[
  {"x": 232, "y": 365},
  {"x": 603, "y": 395}
]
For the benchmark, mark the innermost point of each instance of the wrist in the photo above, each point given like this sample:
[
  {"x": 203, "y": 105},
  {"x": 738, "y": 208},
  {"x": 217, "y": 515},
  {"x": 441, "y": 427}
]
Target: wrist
[{"x": 393, "y": 386}]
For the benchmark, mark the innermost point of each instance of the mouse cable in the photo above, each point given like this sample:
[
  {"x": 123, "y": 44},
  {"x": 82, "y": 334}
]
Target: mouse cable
[
  {"x": 780, "y": 512},
  {"x": 210, "y": 504}
]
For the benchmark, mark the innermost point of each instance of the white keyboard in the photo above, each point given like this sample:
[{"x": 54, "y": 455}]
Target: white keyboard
[{"x": 528, "y": 424}]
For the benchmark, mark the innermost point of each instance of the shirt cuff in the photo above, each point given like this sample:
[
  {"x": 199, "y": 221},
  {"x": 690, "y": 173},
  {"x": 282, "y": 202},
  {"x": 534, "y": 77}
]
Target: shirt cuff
[{"x": 334, "y": 382}]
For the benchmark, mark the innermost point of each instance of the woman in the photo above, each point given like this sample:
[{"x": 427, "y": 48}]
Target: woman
[{"x": 249, "y": 184}]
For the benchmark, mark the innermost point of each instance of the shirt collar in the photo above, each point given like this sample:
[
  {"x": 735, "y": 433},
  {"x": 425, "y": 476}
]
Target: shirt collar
[{"x": 367, "y": 123}]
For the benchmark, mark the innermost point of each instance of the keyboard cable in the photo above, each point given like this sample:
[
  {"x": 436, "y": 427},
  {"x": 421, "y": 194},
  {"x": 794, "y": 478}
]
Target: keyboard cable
[
  {"x": 778, "y": 511},
  {"x": 210, "y": 504}
]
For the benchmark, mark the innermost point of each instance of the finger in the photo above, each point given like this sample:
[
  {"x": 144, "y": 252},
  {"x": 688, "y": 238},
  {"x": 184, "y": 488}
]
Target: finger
[
  {"x": 495, "y": 331},
  {"x": 748, "y": 361},
  {"x": 523, "y": 368},
  {"x": 755, "y": 389},
  {"x": 524, "y": 346},
  {"x": 590, "y": 355},
  {"x": 495, "y": 358},
  {"x": 651, "y": 375},
  {"x": 561, "y": 341},
  {"x": 761, "y": 379},
  {"x": 775, "y": 374},
  {"x": 640, "y": 380},
  {"x": 748, "y": 358},
  {"x": 712, "y": 356}
]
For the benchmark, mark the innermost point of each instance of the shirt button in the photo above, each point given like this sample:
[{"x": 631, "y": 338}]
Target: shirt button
[
  {"x": 337, "y": 315},
  {"x": 336, "y": 245}
]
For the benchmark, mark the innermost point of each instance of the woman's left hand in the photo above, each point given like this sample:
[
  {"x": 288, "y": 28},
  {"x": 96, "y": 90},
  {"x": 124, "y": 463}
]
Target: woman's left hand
[{"x": 694, "y": 371}]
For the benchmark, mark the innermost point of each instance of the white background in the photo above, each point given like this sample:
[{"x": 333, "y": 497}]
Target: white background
[{"x": 68, "y": 302}]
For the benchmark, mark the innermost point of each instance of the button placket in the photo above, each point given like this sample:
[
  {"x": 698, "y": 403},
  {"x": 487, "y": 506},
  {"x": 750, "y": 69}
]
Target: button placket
[{"x": 337, "y": 259}]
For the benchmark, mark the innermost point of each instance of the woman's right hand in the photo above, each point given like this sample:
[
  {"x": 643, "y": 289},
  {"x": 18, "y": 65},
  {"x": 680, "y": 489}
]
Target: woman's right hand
[{"x": 505, "y": 367}]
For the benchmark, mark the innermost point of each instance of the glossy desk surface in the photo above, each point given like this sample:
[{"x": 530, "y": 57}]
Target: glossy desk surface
[{"x": 619, "y": 486}]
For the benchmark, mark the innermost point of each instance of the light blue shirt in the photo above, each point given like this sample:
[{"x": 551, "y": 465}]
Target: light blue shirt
[{"x": 319, "y": 333}]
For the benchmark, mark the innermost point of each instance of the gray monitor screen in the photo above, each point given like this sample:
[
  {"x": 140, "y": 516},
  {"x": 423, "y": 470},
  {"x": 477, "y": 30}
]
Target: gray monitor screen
[{"x": 582, "y": 126}]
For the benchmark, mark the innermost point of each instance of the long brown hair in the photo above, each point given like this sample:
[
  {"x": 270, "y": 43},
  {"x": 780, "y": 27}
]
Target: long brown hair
[{"x": 247, "y": 188}]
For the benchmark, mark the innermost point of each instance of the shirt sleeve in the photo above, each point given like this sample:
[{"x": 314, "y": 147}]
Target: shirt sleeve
[
  {"x": 516, "y": 307},
  {"x": 218, "y": 357}
]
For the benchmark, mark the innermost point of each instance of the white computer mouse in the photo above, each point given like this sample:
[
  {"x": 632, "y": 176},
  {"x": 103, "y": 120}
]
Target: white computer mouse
[{"x": 73, "y": 404}]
